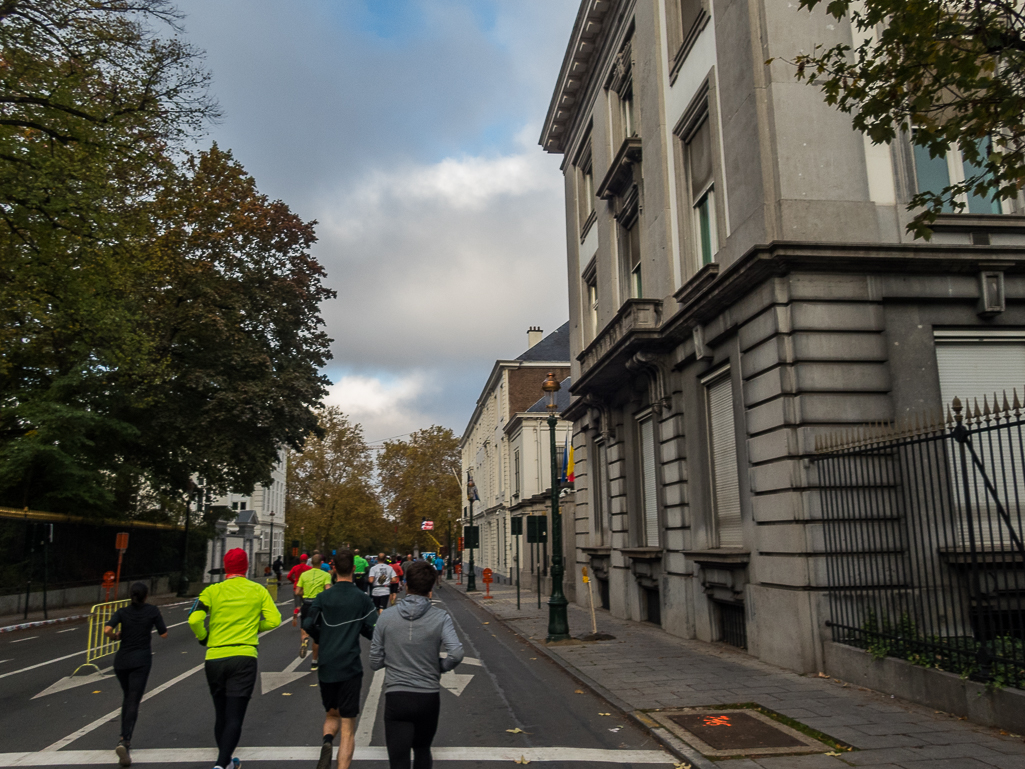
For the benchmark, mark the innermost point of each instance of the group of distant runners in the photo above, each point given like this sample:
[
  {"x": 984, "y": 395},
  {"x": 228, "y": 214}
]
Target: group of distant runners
[{"x": 334, "y": 610}]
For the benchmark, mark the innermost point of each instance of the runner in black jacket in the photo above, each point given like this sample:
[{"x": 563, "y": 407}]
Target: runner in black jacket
[
  {"x": 335, "y": 620},
  {"x": 132, "y": 625}
]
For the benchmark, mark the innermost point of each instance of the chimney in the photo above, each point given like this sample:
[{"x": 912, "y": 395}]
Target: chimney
[{"x": 534, "y": 335}]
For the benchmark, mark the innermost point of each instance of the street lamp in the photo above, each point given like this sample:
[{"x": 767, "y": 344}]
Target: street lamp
[
  {"x": 471, "y": 494},
  {"x": 270, "y": 556},
  {"x": 558, "y": 619}
]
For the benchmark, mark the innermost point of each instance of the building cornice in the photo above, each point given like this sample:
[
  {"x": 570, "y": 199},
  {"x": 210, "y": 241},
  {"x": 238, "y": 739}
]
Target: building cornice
[{"x": 583, "y": 54}]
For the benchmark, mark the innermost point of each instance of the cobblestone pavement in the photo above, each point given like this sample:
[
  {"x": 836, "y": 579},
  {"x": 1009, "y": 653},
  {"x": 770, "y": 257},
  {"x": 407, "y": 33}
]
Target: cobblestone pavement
[{"x": 646, "y": 668}]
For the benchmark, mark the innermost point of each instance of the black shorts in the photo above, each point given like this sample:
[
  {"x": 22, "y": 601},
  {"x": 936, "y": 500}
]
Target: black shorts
[
  {"x": 304, "y": 610},
  {"x": 382, "y": 601},
  {"x": 342, "y": 695},
  {"x": 231, "y": 676},
  {"x": 393, "y": 588}
]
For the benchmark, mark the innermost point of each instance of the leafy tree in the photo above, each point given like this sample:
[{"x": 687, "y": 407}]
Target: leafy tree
[
  {"x": 952, "y": 72},
  {"x": 331, "y": 495},
  {"x": 420, "y": 480},
  {"x": 93, "y": 99}
]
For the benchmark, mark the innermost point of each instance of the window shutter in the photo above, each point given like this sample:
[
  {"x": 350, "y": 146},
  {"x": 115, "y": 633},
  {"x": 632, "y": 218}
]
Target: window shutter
[
  {"x": 725, "y": 478},
  {"x": 648, "y": 486},
  {"x": 971, "y": 371}
]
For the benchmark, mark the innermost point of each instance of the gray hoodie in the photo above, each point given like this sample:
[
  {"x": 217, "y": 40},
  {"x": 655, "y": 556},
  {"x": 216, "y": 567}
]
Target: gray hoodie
[{"x": 408, "y": 641}]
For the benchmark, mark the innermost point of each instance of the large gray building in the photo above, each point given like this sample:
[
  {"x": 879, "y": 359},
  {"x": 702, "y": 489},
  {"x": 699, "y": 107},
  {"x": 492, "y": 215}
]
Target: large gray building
[{"x": 741, "y": 283}]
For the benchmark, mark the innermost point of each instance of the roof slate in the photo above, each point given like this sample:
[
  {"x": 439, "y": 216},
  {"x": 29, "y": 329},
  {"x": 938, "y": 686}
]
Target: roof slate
[{"x": 553, "y": 347}]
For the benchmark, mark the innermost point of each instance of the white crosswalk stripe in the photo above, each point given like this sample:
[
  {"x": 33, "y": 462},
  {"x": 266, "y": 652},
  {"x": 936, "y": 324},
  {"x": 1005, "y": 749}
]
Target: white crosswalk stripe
[{"x": 304, "y": 753}]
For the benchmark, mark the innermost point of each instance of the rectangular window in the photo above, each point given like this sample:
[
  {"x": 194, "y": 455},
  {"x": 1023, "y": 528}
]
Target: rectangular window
[
  {"x": 649, "y": 485},
  {"x": 592, "y": 304},
  {"x": 585, "y": 187},
  {"x": 630, "y": 248},
  {"x": 702, "y": 194},
  {"x": 516, "y": 474},
  {"x": 935, "y": 174},
  {"x": 724, "y": 471},
  {"x": 627, "y": 111}
]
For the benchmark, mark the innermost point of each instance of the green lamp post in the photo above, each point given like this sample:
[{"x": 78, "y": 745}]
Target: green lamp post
[
  {"x": 558, "y": 618},
  {"x": 471, "y": 495}
]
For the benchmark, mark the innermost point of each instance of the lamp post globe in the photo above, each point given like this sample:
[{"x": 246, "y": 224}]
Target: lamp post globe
[{"x": 558, "y": 617}]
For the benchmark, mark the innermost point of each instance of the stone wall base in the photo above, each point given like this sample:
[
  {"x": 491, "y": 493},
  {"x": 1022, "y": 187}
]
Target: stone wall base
[{"x": 1002, "y": 708}]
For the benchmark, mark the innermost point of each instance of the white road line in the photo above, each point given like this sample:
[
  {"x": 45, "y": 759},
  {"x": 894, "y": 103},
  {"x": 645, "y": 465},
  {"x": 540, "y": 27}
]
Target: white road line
[
  {"x": 41, "y": 664},
  {"x": 30, "y": 638},
  {"x": 69, "y": 630},
  {"x": 368, "y": 715},
  {"x": 282, "y": 754},
  {"x": 115, "y": 713},
  {"x": 6, "y": 660}
]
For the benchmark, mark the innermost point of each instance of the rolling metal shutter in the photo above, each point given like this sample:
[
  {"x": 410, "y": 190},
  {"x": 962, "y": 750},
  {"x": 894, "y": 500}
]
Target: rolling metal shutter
[
  {"x": 648, "y": 484},
  {"x": 972, "y": 370},
  {"x": 725, "y": 478}
]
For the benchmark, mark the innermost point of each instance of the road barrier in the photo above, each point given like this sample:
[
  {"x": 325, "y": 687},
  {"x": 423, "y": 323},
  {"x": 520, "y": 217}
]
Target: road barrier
[
  {"x": 97, "y": 644},
  {"x": 272, "y": 588}
]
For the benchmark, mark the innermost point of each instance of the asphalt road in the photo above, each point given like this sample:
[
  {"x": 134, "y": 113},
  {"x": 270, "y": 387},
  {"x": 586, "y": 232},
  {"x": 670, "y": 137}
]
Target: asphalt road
[{"x": 505, "y": 703}]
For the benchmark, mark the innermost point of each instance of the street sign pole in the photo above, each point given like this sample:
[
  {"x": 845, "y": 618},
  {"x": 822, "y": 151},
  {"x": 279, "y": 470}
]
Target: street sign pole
[{"x": 517, "y": 531}]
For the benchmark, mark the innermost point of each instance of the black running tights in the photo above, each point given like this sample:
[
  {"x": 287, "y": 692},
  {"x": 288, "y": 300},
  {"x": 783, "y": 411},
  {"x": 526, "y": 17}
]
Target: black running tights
[
  {"x": 133, "y": 684},
  {"x": 231, "y": 712},
  {"x": 410, "y": 721}
]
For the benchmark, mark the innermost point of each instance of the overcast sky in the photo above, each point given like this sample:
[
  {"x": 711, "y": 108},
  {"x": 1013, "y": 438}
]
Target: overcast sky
[{"x": 408, "y": 129}]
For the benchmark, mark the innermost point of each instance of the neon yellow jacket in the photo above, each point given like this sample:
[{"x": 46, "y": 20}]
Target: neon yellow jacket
[
  {"x": 239, "y": 611},
  {"x": 313, "y": 583}
]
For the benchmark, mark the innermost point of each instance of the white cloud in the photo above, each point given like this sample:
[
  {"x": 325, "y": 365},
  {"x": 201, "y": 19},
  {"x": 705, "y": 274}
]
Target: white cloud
[{"x": 385, "y": 406}]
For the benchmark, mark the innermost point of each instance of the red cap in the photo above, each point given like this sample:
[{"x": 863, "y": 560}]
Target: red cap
[
  {"x": 236, "y": 561},
  {"x": 303, "y": 557}
]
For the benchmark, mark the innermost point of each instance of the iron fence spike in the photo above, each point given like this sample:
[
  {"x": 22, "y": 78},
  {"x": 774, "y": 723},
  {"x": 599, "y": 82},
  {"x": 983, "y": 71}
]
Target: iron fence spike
[
  {"x": 976, "y": 415},
  {"x": 1017, "y": 403},
  {"x": 957, "y": 411},
  {"x": 1007, "y": 406}
]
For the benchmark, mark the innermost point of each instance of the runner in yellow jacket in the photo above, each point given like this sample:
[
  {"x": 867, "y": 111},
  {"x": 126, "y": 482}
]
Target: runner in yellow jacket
[{"x": 238, "y": 610}]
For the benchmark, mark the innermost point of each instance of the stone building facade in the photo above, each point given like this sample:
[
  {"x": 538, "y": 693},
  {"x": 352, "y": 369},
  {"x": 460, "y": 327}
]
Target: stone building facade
[
  {"x": 741, "y": 282},
  {"x": 505, "y": 447}
]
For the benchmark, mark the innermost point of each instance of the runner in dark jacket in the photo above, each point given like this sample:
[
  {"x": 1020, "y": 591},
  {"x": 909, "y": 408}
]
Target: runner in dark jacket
[
  {"x": 336, "y": 619},
  {"x": 132, "y": 625}
]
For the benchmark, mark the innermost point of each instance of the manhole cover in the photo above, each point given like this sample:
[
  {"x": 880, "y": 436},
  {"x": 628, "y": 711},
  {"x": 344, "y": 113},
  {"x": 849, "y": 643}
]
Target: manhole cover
[
  {"x": 717, "y": 732},
  {"x": 736, "y": 731}
]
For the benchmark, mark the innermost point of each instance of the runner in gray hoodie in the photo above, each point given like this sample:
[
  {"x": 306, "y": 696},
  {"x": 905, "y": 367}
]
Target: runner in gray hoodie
[{"x": 408, "y": 641}]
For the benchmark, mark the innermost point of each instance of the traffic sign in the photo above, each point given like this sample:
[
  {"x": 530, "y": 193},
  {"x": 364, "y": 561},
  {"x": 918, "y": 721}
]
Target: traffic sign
[
  {"x": 471, "y": 535},
  {"x": 108, "y": 578},
  {"x": 537, "y": 529},
  {"x": 427, "y": 525},
  {"x": 517, "y": 525},
  {"x": 121, "y": 543},
  {"x": 487, "y": 578}
]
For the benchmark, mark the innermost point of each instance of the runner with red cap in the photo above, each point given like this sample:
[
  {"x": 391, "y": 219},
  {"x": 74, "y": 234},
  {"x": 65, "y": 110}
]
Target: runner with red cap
[
  {"x": 293, "y": 577},
  {"x": 239, "y": 610}
]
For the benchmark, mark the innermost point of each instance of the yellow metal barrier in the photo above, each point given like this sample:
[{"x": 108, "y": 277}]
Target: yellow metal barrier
[
  {"x": 97, "y": 644},
  {"x": 272, "y": 587}
]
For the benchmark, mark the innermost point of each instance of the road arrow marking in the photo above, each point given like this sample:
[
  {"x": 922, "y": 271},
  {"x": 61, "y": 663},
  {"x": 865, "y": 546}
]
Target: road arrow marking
[
  {"x": 455, "y": 682},
  {"x": 271, "y": 681},
  {"x": 72, "y": 681}
]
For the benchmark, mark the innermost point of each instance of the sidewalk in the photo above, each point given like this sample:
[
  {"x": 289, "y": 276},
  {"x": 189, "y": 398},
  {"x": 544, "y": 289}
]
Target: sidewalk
[
  {"x": 12, "y": 622},
  {"x": 645, "y": 669}
]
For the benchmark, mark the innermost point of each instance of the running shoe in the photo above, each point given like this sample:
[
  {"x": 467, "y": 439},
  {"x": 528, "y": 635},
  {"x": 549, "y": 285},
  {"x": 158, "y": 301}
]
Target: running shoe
[
  {"x": 235, "y": 763},
  {"x": 325, "y": 756},
  {"x": 313, "y": 666},
  {"x": 303, "y": 647},
  {"x": 124, "y": 758}
]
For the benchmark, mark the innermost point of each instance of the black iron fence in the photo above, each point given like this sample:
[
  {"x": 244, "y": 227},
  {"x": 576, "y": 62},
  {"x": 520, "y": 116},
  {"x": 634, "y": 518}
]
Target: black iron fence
[{"x": 923, "y": 539}]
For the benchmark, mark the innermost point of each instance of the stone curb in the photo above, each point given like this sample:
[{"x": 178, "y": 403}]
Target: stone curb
[
  {"x": 62, "y": 620},
  {"x": 662, "y": 736}
]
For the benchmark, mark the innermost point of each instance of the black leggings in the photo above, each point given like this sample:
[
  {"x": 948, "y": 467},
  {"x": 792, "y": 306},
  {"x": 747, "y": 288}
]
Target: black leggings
[
  {"x": 231, "y": 712},
  {"x": 133, "y": 684},
  {"x": 410, "y": 721}
]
